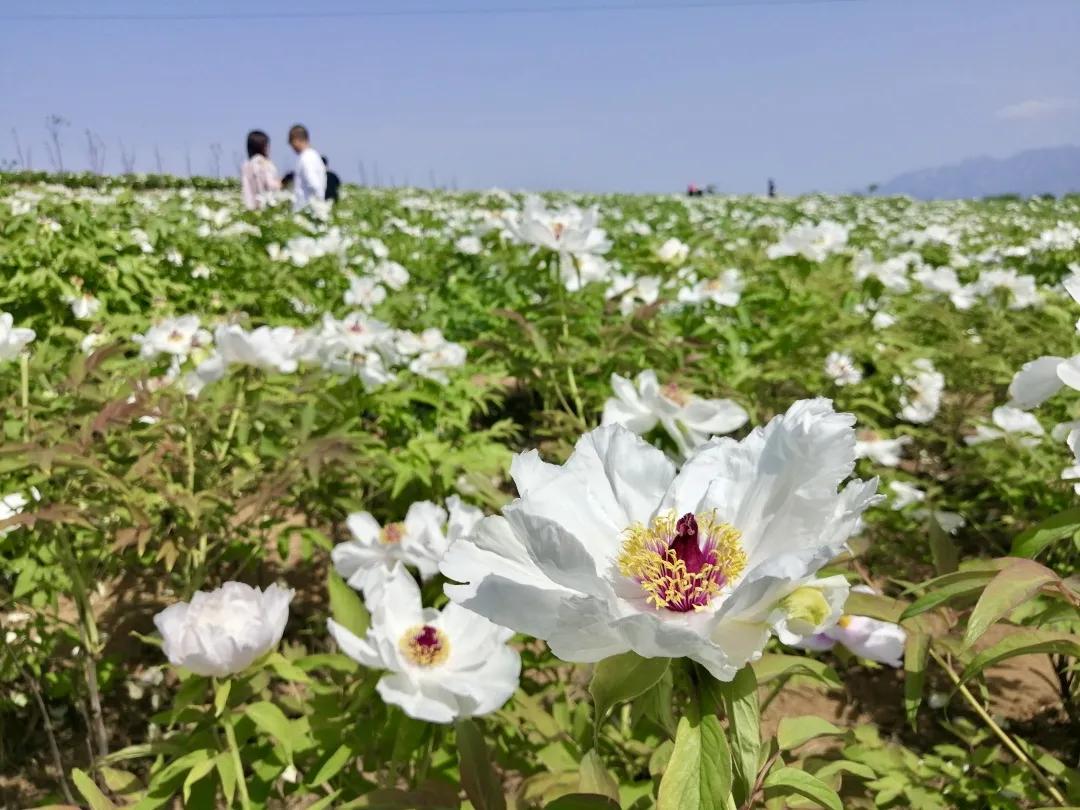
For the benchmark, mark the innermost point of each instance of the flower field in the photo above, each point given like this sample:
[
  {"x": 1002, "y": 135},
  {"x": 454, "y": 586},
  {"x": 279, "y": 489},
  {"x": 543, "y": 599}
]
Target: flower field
[{"x": 441, "y": 500}]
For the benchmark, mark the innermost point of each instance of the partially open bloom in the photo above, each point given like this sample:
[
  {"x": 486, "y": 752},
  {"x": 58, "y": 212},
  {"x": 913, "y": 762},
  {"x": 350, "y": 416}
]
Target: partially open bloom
[
  {"x": 267, "y": 348},
  {"x": 615, "y": 551},
  {"x": 1038, "y": 380},
  {"x": 442, "y": 665},
  {"x": 886, "y": 452},
  {"x": 1008, "y": 420},
  {"x": 419, "y": 540},
  {"x": 84, "y": 306},
  {"x": 868, "y": 638},
  {"x": 688, "y": 419},
  {"x": 725, "y": 290},
  {"x": 569, "y": 230},
  {"x": 224, "y": 631},
  {"x": 12, "y": 338},
  {"x": 673, "y": 251},
  {"x": 812, "y": 242}
]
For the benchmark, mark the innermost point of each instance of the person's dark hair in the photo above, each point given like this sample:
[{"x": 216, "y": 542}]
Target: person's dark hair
[
  {"x": 258, "y": 143},
  {"x": 298, "y": 131}
]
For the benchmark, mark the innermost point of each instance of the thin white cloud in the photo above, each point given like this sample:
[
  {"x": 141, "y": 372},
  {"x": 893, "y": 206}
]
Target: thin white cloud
[{"x": 1036, "y": 108}]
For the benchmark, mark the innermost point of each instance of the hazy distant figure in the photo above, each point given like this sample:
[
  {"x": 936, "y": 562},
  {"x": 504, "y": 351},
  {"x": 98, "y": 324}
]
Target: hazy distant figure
[
  {"x": 772, "y": 187},
  {"x": 333, "y": 182},
  {"x": 693, "y": 191},
  {"x": 258, "y": 175},
  {"x": 309, "y": 179}
]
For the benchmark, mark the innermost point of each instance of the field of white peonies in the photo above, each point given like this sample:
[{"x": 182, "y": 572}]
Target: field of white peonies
[{"x": 494, "y": 501}]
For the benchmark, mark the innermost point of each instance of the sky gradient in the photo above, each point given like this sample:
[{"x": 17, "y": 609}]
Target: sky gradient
[{"x": 823, "y": 96}]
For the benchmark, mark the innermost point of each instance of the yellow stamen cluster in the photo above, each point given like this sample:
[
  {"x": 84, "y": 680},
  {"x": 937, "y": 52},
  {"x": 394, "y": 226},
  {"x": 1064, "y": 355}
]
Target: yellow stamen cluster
[
  {"x": 425, "y": 646},
  {"x": 392, "y": 533},
  {"x": 648, "y": 558}
]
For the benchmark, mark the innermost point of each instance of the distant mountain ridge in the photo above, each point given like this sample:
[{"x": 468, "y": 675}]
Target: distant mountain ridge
[{"x": 1051, "y": 170}]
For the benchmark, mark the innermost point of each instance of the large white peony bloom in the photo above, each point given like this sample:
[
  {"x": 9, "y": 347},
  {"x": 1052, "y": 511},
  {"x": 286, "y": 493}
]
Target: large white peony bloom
[
  {"x": 1038, "y": 380},
  {"x": 176, "y": 337},
  {"x": 441, "y": 665},
  {"x": 615, "y": 551},
  {"x": 12, "y": 339},
  {"x": 420, "y": 540},
  {"x": 570, "y": 230},
  {"x": 267, "y": 348},
  {"x": 689, "y": 420},
  {"x": 224, "y": 631},
  {"x": 813, "y": 242}
]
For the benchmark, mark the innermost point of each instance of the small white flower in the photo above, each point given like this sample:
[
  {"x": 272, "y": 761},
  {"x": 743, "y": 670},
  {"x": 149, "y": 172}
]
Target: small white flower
[
  {"x": 172, "y": 336},
  {"x": 882, "y": 320},
  {"x": 224, "y": 631},
  {"x": 922, "y": 399},
  {"x": 724, "y": 290},
  {"x": 85, "y": 306},
  {"x": 441, "y": 665},
  {"x": 1008, "y": 420},
  {"x": 812, "y": 242},
  {"x": 469, "y": 245},
  {"x": 267, "y": 348},
  {"x": 392, "y": 274},
  {"x": 905, "y": 494},
  {"x": 201, "y": 271},
  {"x": 673, "y": 251},
  {"x": 688, "y": 419},
  {"x": 841, "y": 369},
  {"x": 885, "y": 452},
  {"x": 365, "y": 292},
  {"x": 13, "y": 339}
]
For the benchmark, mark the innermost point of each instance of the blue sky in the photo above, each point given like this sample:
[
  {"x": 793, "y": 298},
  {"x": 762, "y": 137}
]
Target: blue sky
[{"x": 821, "y": 95}]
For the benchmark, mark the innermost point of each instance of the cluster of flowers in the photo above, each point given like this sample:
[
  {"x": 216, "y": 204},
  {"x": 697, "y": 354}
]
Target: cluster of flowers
[{"x": 356, "y": 345}]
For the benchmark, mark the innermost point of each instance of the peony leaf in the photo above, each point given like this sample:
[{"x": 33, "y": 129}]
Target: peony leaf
[
  {"x": 1039, "y": 536},
  {"x": 916, "y": 651},
  {"x": 1012, "y": 586},
  {"x": 595, "y": 777},
  {"x": 198, "y": 771},
  {"x": 739, "y": 699},
  {"x": 582, "y": 801},
  {"x": 90, "y": 791},
  {"x": 775, "y": 665},
  {"x": 478, "y": 777},
  {"x": 331, "y": 766},
  {"x": 1024, "y": 641},
  {"x": 221, "y": 696},
  {"x": 346, "y": 606},
  {"x": 120, "y": 782},
  {"x": 623, "y": 677},
  {"x": 699, "y": 772},
  {"x": 273, "y": 721},
  {"x": 783, "y": 782},
  {"x": 794, "y": 731},
  {"x": 226, "y": 769}
]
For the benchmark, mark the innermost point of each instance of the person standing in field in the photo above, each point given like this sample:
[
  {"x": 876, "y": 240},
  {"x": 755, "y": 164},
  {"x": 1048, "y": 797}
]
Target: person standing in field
[
  {"x": 309, "y": 181},
  {"x": 258, "y": 175}
]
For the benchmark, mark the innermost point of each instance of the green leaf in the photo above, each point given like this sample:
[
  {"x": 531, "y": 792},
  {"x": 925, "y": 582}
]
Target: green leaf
[
  {"x": 623, "y": 677},
  {"x": 286, "y": 669},
  {"x": 120, "y": 782},
  {"x": 478, "y": 777},
  {"x": 331, "y": 766},
  {"x": 221, "y": 696},
  {"x": 699, "y": 772},
  {"x": 595, "y": 777},
  {"x": 1013, "y": 585},
  {"x": 582, "y": 801},
  {"x": 1024, "y": 641},
  {"x": 946, "y": 588},
  {"x": 1039, "y": 536},
  {"x": 916, "y": 651},
  {"x": 226, "y": 769},
  {"x": 273, "y": 721},
  {"x": 739, "y": 699},
  {"x": 772, "y": 666},
  {"x": 794, "y": 731},
  {"x": 200, "y": 770},
  {"x": 942, "y": 548},
  {"x": 783, "y": 782},
  {"x": 90, "y": 791},
  {"x": 325, "y": 802},
  {"x": 346, "y": 606}
]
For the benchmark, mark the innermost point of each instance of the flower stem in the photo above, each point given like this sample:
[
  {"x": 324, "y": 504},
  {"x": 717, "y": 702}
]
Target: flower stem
[
  {"x": 238, "y": 764},
  {"x": 1008, "y": 741},
  {"x": 234, "y": 418},
  {"x": 24, "y": 392}
]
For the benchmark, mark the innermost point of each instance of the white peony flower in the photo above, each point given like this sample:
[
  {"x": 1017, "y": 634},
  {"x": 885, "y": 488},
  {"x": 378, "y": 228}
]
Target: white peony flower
[
  {"x": 841, "y": 369},
  {"x": 922, "y": 399},
  {"x": 441, "y": 665},
  {"x": 267, "y": 348},
  {"x": 469, "y": 245},
  {"x": 886, "y": 452},
  {"x": 225, "y": 631},
  {"x": 85, "y": 306},
  {"x": 13, "y": 504},
  {"x": 688, "y": 419},
  {"x": 944, "y": 280},
  {"x": 615, "y": 551},
  {"x": 392, "y": 274},
  {"x": 13, "y": 339},
  {"x": 365, "y": 292},
  {"x": 1008, "y": 420},
  {"x": 725, "y": 290},
  {"x": 812, "y": 242},
  {"x": 172, "y": 336},
  {"x": 1072, "y": 472},
  {"x": 905, "y": 494},
  {"x": 882, "y": 320},
  {"x": 568, "y": 230},
  {"x": 673, "y": 251},
  {"x": 1038, "y": 380}
]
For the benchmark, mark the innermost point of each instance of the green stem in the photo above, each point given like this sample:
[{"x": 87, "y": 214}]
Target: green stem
[
  {"x": 238, "y": 764},
  {"x": 24, "y": 391},
  {"x": 1008, "y": 741},
  {"x": 234, "y": 418}
]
